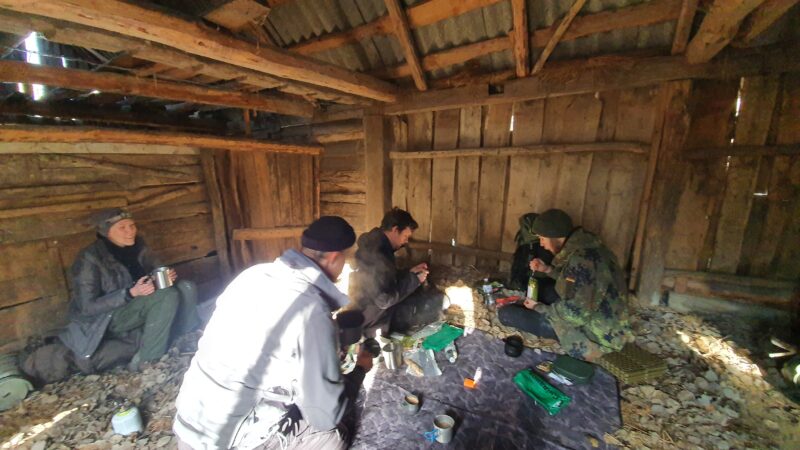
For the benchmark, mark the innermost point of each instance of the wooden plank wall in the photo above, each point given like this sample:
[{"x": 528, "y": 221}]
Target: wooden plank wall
[
  {"x": 741, "y": 214},
  {"x": 343, "y": 183},
  {"x": 477, "y": 201},
  {"x": 46, "y": 201},
  {"x": 265, "y": 190}
]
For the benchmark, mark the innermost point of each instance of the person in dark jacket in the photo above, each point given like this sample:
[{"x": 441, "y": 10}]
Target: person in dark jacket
[
  {"x": 528, "y": 249},
  {"x": 113, "y": 296},
  {"x": 390, "y": 298}
]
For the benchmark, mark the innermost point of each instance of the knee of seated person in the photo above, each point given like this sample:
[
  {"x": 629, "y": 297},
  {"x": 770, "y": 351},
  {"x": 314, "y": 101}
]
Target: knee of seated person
[
  {"x": 186, "y": 285},
  {"x": 504, "y": 315},
  {"x": 169, "y": 300}
]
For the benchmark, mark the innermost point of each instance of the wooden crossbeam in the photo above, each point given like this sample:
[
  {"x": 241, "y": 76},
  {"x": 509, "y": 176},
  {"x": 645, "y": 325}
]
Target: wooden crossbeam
[
  {"x": 419, "y": 15},
  {"x": 46, "y": 134},
  {"x": 20, "y": 72},
  {"x": 527, "y": 150},
  {"x": 580, "y": 77},
  {"x": 257, "y": 234},
  {"x": 403, "y": 33},
  {"x": 742, "y": 150},
  {"x": 684, "y": 26},
  {"x": 194, "y": 38},
  {"x": 649, "y": 13},
  {"x": 718, "y": 28},
  {"x": 81, "y": 36},
  {"x": 554, "y": 40},
  {"x": 761, "y": 19},
  {"x": 520, "y": 33}
]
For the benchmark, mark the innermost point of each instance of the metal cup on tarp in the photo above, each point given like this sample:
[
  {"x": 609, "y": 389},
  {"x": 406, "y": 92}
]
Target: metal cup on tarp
[
  {"x": 161, "y": 278},
  {"x": 392, "y": 355}
]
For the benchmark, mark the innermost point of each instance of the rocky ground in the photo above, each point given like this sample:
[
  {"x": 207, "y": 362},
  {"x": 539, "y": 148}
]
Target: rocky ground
[{"x": 717, "y": 394}]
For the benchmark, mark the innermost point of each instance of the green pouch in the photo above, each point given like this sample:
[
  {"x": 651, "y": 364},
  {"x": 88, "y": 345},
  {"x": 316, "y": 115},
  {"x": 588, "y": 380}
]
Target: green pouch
[
  {"x": 575, "y": 370},
  {"x": 542, "y": 392},
  {"x": 439, "y": 340}
]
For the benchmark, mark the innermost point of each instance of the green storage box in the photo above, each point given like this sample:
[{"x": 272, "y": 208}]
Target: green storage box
[
  {"x": 633, "y": 364},
  {"x": 575, "y": 370}
]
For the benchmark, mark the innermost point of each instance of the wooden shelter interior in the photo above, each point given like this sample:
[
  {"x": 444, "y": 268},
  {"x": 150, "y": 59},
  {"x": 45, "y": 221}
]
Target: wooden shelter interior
[{"x": 671, "y": 128}]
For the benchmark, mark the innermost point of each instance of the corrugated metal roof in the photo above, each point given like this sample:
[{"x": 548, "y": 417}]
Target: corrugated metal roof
[{"x": 298, "y": 21}]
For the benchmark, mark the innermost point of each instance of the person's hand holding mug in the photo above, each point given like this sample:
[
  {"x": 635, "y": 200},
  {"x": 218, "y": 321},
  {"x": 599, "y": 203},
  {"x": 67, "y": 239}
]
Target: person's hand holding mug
[
  {"x": 143, "y": 286},
  {"x": 172, "y": 275},
  {"x": 421, "y": 271},
  {"x": 537, "y": 265}
]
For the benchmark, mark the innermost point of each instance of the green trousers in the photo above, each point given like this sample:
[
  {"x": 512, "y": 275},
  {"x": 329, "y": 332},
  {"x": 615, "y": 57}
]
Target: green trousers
[{"x": 162, "y": 315}]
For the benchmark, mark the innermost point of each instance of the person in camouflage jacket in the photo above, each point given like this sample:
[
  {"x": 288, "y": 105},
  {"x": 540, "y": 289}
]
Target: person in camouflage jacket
[{"x": 591, "y": 318}]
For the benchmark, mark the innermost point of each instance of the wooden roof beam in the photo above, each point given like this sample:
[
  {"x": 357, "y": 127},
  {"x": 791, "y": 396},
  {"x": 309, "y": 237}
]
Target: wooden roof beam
[
  {"x": 582, "y": 77},
  {"x": 403, "y": 34},
  {"x": 192, "y": 37},
  {"x": 48, "y": 134},
  {"x": 719, "y": 27},
  {"x": 520, "y": 34},
  {"x": 77, "y": 35},
  {"x": 83, "y": 80},
  {"x": 418, "y": 15},
  {"x": 562, "y": 28},
  {"x": 684, "y": 26},
  {"x": 653, "y": 12},
  {"x": 761, "y": 19}
]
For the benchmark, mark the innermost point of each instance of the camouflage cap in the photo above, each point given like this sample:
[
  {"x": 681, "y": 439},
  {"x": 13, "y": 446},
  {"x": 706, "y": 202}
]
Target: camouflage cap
[{"x": 553, "y": 223}]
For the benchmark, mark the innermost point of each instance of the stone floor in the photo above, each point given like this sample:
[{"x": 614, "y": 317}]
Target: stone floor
[{"x": 717, "y": 394}]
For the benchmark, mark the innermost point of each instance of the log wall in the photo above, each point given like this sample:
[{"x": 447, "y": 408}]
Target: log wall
[
  {"x": 343, "y": 183},
  {"x": 46, "y": 201},
  {"x": 476, "y": 201}
]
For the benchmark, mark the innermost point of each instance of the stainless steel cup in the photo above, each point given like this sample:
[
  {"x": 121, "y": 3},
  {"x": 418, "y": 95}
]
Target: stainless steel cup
[
  {"x": 391, "y": 356},
  {"x": 161, "y": 278},
  {"x": 443, "y": 424},
  {"x": 411, "y": 403}
]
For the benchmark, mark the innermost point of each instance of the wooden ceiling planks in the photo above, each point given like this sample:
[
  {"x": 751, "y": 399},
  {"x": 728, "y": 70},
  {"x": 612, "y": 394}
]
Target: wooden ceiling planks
[
  {"x": 718, "y": 28},
  {"x": 141, "y": 23}
]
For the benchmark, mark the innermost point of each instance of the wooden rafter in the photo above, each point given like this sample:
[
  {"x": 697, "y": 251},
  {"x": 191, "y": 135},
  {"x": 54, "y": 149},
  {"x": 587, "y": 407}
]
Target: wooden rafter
[
  {"x": 684, "y": 26},
  {"x": 81, "y": 36},
  {"x": 520, "y": 33},
  {"x": 650, "y": 13},
  {"x": 92, "y": 113},
  {"x": 528, "y": 150},
  {"x": 20, "y": 72},
  {"x": 761, "y": 19},
  {"x": 403, "y": 33},
  {"x": 582, "y": 77},
  {"x": 142, "y": 23},
  {"x": 554, "y": 40},
  {"x": 719, "y": 27},
  {"x": 419, "y": 15},
  {"x": 47, "y": 134}
]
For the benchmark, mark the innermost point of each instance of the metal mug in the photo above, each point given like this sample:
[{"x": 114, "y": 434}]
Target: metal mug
[
  {"x": 391, "y": 356},
  {"x": 161, "y": 278},
  {"x": 443, "y": 424},
  {"x": 411, "y": 403}
]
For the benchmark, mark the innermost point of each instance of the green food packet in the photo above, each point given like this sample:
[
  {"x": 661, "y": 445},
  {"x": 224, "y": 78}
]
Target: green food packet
[
  {"x": 441, "y": 338},
  {"x": 542, "y": 392}
]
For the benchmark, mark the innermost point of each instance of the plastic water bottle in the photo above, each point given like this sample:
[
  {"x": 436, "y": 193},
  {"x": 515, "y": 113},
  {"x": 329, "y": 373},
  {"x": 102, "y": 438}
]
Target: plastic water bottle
[{"x": 533, "y": 288}]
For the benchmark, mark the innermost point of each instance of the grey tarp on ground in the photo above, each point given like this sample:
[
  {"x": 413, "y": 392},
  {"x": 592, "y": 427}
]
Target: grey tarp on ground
[{"x": 496, "y": 415}]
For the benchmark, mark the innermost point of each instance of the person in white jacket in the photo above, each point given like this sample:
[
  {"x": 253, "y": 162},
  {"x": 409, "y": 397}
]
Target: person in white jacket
[{"x": 267, "y": 370}]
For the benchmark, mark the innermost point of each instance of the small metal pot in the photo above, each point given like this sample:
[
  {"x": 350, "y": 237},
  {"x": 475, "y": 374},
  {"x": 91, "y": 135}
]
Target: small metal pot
[{"x": 161, "y": 278}]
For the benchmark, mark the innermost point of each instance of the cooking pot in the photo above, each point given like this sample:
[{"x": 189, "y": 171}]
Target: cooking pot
[{"x": 514, "y": 346}]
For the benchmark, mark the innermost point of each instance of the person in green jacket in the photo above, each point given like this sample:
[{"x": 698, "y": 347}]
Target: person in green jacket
[{"x": 591, "y": 318}]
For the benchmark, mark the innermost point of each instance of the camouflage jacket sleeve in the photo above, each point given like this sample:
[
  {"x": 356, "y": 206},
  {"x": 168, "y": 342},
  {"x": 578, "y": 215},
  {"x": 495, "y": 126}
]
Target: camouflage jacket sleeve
[{"x": 576, "y": 286}]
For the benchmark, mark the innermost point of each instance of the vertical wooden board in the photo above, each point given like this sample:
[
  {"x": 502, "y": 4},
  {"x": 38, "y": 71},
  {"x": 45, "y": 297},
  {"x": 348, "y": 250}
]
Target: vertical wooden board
[
  {"x": 528, "y": 126},
  {"x": 399, "y": 143},
  {"x": 468, "y": 181},
  {"x": 420, "y": 137},
  {"x": 215, "y": 200},
  {"x": 758, "y": 96},
  {"x": 443, "y": 184},
  {"x": 377, "y": 165},
  {"x": 777, "y": 216},
  {"x": 572, "y": 119},
  {"x": 597, "y": 185},
  {"x": 786, "y": 265},
  {"x": 636, "y": 112},
  {"x": 757, "y": 218},
  {"x": 713, "y": 104},
  {"x": 493, "y": 177}
]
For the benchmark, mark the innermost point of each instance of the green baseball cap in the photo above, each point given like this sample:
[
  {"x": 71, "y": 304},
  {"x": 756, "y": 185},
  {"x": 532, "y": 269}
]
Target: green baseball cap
[{"x": 553, "y": 223}]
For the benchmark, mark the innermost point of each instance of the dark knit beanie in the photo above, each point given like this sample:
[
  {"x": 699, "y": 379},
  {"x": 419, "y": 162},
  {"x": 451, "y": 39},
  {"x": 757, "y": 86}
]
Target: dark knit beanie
[
  {"x": 328, "y": 234},
  {"x": 553, "y": 223},
  {"x": 105, "y": 219}
]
